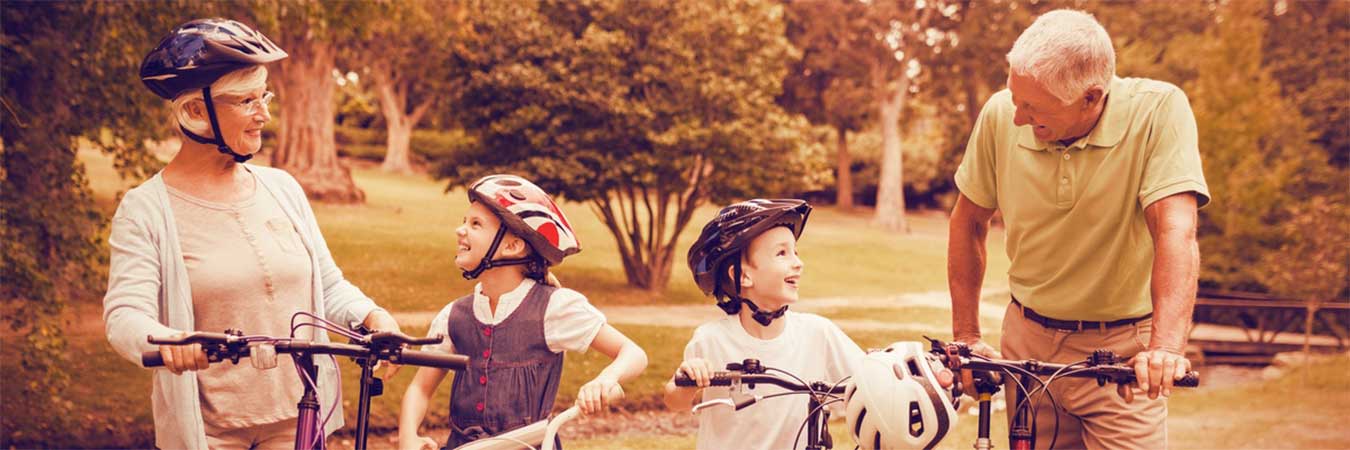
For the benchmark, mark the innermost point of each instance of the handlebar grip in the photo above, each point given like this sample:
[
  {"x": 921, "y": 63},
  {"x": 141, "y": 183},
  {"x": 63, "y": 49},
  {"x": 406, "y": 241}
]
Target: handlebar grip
[
  {"x": 718, "y": 379},
  {"x": 1192, "y": 379},
  {"x": 431, "y": 359},
  {"x": 152, "y": 359}
]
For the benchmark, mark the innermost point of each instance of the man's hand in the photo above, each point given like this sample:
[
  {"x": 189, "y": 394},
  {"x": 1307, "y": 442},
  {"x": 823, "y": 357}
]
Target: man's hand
[
  {"x": 978, "y": 347},
  {"x": 1155, "y": 370}
]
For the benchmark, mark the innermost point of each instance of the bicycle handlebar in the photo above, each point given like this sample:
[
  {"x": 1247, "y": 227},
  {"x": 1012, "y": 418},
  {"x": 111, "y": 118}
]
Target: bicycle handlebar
[
  {"x": 729, "y": 377},
  {"x": 1114, "y": 373},
  {"x": 232, "y": 347}
]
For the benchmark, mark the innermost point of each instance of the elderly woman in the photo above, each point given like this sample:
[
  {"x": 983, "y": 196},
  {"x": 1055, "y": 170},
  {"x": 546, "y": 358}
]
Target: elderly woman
[{"x": 210, "y": 244}]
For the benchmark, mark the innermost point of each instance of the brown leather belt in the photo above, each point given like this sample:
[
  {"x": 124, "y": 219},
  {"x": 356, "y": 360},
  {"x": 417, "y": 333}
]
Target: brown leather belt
[{"x": 1074, "y": 325}]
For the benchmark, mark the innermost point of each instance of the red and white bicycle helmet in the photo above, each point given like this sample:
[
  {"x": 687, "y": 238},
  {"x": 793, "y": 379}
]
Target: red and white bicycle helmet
[
  {"x": 896, "y": 402},
  {"x": 527, "y": 211}
]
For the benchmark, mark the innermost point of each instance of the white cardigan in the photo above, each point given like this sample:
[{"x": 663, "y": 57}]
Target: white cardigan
[{"x": 149, "y": 295}]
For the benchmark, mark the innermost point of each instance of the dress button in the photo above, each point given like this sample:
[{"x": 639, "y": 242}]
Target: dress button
[
  {"x": 482, "y": 379},
  {"x": 479, "y": 407},
  {"x": 487, "y": 353},
  {"x": 487, "y": 331}
]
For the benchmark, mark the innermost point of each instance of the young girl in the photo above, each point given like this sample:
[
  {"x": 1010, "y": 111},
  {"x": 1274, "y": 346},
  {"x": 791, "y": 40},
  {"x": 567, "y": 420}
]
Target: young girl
[{"x": 515, "y": 326}]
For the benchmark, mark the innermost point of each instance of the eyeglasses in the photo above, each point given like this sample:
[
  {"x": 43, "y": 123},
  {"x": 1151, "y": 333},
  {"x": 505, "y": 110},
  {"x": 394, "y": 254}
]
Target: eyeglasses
[{"x": 256, "y": 104}]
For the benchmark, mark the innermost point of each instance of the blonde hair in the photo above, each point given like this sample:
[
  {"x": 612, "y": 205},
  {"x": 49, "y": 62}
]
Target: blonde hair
[
  {"x": 239, "y": 82},
  {"x": 1067, "y": 51}
]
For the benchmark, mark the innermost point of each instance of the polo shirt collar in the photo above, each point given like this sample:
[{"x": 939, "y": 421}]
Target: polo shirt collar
[{"x": 1110, "y": 127}]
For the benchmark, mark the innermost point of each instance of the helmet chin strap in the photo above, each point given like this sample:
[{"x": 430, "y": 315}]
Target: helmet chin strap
[
  {"x": 763, "y": 317},
  {"x": 487, "y": 262},
  {"x": 219, "y": 141}
]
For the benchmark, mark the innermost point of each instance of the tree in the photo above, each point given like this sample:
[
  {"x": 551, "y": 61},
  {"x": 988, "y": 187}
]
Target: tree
[
  {"x": 70, "y": 75},
  {"x": 410, "y": 55},
  {"x": 643, "y": 110},
  {"x": 310, "y": 32},
  {"x": 1321, "y": 89},
  {"x": 906, "y": 35},
  {"x": 827, "y": 85}
]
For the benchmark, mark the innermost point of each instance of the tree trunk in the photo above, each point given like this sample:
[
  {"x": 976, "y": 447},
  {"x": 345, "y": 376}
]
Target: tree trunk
[
  {"x": 397, "y": 158},
  {"x": 399, "y": 124},
  {"x": 307, "y": 147},
  {"x": 844, "y": 191},
  {"x": 890, "y": 212}
]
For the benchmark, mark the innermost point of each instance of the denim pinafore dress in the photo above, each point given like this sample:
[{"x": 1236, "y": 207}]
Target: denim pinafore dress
[{"x": 512, "y": 377}]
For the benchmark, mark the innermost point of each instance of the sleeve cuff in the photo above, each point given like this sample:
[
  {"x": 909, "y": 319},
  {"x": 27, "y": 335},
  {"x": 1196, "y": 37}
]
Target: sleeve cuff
[{"x": 1176, "y": 187}]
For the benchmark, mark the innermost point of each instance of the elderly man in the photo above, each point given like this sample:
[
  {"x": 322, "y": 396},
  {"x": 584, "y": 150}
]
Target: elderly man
[{"x": 1098, "y": 179}]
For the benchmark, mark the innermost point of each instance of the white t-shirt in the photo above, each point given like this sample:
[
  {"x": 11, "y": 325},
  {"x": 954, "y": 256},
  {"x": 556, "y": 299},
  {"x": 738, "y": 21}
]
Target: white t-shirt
[
  {"x": 811, "y": 347},
  {"x": 570, "y": 321}
]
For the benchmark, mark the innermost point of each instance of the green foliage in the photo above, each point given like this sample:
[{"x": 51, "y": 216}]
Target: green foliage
[
  {"x": 1312, "y": 68},
  {"x": 70, "y": 70},
  {"x": 1254, "y": 145},
  {"x": 644, "y": 109}
]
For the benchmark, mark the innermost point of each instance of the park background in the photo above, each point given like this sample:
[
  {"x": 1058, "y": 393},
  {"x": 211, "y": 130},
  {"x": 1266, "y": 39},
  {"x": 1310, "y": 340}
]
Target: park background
[{"x": 644, "y": 116}]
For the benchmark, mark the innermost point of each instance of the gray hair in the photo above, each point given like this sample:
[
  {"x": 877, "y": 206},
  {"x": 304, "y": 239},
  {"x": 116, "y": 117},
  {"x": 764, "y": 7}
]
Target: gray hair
[
  {"x": 239, "y": 82},
  {"x": 1067, "y": 51}
]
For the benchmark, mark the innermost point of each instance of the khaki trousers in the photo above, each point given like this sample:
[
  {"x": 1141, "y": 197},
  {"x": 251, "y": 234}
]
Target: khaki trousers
[
  {"x": 1090, "y": 416},
  {"x": 273, "y": 436}
]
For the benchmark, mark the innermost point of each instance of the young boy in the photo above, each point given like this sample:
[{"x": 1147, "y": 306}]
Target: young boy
[
  {"x": 746, "y": 258},
  {"x": 515, "y": 326}
]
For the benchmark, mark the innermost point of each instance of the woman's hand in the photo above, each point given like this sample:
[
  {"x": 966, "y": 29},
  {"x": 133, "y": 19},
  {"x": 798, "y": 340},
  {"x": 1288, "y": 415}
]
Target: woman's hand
[
  {"x": 598, "y": 394},
  {"x": 182, "y": 358}
]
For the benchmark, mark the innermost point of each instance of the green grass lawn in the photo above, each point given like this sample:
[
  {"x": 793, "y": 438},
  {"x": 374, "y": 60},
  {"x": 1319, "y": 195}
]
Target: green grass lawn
[{"x": 398, "y": 247}]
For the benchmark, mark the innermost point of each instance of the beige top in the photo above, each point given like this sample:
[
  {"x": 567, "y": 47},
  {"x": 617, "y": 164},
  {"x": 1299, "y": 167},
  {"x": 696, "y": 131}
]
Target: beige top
[
  {"x": 1076, "y": 237},
  {"x": 248, "y": 271}
]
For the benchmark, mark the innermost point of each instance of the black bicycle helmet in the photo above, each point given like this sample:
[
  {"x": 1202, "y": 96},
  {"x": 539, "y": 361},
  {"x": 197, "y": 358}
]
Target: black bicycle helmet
[
  {"x": 196, "y": 54},
  {"x": 725, "y": 237}
]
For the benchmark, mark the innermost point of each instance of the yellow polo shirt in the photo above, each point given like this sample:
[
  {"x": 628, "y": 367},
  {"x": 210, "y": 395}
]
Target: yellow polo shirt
[{"x": 1076, "y": 236}]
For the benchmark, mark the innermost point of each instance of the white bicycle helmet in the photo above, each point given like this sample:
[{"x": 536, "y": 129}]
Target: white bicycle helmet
[{"x": 896, "y": 402}]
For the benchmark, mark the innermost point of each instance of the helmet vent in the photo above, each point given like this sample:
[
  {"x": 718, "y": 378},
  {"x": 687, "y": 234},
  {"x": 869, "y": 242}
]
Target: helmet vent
[{"x": 915, "y": 420}]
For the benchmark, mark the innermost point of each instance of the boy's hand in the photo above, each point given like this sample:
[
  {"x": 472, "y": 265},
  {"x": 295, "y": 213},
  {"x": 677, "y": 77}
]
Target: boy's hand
[
  {"x": 698, "y": 369},
  {"x": 417, "y": 443},
  {"x": 595, "y": 396}
]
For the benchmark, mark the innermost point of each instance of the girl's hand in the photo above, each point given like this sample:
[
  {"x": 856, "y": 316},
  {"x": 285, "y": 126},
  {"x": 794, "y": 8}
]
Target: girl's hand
[
  {"x": 418, "y": 443},
  {"x": 598, "y": 394},
  {"x": 699, "y": 369}
]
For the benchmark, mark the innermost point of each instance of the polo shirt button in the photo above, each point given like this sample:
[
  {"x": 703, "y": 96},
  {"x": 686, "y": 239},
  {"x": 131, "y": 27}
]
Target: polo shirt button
[
  {"x": 478, "y": 407},
  {"x": 1064, "y": 180},
  {"x": 487, "y": 353},
  {"x": 1066, "y": 156},
  {"x": 482, "y": 379}
]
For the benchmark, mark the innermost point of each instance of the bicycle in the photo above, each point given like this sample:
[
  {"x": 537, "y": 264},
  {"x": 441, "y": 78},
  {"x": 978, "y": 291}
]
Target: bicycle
[
  {"x": 980, "y": 377},
  {"x": 750, "y": 372},
  {"x": 365, "y": 348}
]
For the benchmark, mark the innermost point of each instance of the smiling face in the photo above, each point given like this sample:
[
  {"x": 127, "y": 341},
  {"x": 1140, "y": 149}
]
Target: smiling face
[
  {"x": 474, "y": 237},
  {"x": 1050, "y": 119},
  {"x": 771, "y": 269},
  {"x": 241, "y": 120}
]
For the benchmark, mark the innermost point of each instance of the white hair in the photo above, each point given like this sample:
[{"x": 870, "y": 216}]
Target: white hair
[
  {"x": 1067, "y": 51},
  {"x": 239, "y": 82}
]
